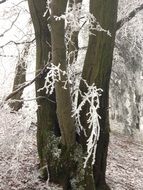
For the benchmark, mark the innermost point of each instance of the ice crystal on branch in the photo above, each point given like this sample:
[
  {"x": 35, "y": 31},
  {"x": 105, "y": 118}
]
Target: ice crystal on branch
[
  {"x": 92, "y": 98},
  {"x": 77, "y": 18},
  {"x": 54, "y": 75}
]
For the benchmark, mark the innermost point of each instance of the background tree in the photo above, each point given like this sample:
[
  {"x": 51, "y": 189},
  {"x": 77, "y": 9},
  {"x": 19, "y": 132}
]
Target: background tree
[
  {"x": 126, "y": 93},
  {"x": 19, "y": 79}
]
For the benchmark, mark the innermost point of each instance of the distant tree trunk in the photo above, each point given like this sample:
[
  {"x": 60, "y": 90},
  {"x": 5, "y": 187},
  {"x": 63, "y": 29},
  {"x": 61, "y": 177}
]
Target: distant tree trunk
[
  {"x": 97, "y": 69},
  {"x": 46, "y": 113},
  {"x": 19, "y": 79}
]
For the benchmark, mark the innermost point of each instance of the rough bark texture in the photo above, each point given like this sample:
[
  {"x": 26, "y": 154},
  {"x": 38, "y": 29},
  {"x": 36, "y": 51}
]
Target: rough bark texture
[
  {"x": 63, "y": 155},
  {"x": 65, "y": 164},
  {"x": 46, "y": 112},
  {"x": 63, "y": 98},
  {"x": 97, "y": 69}
]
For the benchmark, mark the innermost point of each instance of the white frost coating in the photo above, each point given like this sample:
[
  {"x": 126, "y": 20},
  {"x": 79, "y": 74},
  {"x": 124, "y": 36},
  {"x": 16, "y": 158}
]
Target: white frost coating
[
  {"x": 54, "y": 75},
  {"x": 47, "y": 8},
  {"x": 92, "y": 98},
  {"x": 77, "y": 19}
]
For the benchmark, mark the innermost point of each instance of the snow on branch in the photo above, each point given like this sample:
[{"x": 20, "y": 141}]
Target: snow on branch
[
  {"x": 77, "y": 18},
  {"x": 54, "y": 75},
  {"x": 126, "y": 19},
  {"x": 92, "y": 98}
]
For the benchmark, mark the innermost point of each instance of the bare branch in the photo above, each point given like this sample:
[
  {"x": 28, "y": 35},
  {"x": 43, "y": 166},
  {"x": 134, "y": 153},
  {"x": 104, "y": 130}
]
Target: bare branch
[
  {"x": 126, "y": 19},
  {"x": 39, "y": 75},
  {"x": 1, "y": 35},
  {"x": 17, "y": 43},
  {"x": 2, "y": 1},
  {"x": 4, "y": 55},
  {"x": 32, "y": 99}
]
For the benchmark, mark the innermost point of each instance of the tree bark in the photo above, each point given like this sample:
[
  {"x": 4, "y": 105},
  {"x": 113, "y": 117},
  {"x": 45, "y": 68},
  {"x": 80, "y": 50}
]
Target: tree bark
[
  {"x": 65, "y": 157},
  {"x": 97, "y": 69},
  {"x": 63, "y": 98},
  {"x": 46, "y": 112}
]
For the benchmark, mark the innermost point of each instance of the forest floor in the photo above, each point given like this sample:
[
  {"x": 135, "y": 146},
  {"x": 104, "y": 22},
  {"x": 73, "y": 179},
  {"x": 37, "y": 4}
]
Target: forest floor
[
  {"x": 19, "y": 162},
  {"x": 125, "y": 163}
]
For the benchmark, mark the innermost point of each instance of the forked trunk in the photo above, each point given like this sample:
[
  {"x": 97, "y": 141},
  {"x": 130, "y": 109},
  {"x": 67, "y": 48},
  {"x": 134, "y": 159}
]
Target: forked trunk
[{"x": 64, "y": 155}]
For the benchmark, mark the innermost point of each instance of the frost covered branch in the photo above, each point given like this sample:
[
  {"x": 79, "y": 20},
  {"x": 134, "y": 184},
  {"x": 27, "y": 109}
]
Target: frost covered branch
[
  {"x": 92, "y": 98},
  {"x": 54, "y": 75},
  {"x": 121, "y": 22},
  {"x": 27, "y": 84}
]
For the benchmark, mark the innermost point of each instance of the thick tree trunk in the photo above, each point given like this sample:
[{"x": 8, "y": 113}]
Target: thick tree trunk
[
  {"x": 71, "y": 158},
  {"x": 97, "y": 69},
  {"x": 66, "y": 165},
  {"x": 46, "y": 113},
  {"x": 63, "y": 98},
  {"x": 65, "y": 156}
]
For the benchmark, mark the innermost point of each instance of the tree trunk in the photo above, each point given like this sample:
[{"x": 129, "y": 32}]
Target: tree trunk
[
  {"x": 64, "y": 156},
  {"x": 46, "y": 112},
  {"x": 71, "y": 158},
  {"x": 97, "y": 69},
  {"x": 20, "y": 79},
  {"x": 63, "y": 98}
]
